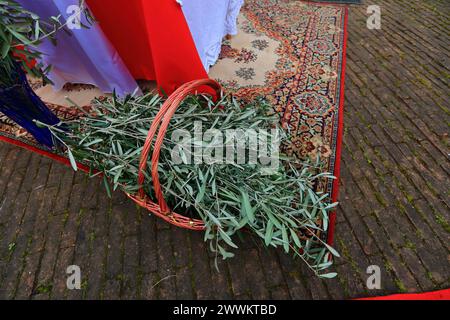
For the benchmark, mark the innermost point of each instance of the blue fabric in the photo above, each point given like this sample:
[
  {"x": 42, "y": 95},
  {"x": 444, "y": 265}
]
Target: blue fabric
[{"x": 23, "y": 106}]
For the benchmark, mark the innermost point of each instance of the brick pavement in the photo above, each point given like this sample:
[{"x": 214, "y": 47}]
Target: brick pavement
[{"x": 394, "y": 200}]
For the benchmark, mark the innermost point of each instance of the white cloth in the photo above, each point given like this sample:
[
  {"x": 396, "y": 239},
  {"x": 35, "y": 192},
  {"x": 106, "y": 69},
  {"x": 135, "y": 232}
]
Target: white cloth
[{"x": 210, "y": 21}]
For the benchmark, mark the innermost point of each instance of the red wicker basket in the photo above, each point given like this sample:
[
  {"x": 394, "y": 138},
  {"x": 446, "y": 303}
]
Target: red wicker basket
[{"x": 162, "y": 121}]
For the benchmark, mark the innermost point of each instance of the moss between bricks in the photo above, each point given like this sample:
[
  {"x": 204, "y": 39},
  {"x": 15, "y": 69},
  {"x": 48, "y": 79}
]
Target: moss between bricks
[
  {"x": 400, "y": 285},
  {"x": 444, "y": 223},
  {"x": 44, "y": 288}
]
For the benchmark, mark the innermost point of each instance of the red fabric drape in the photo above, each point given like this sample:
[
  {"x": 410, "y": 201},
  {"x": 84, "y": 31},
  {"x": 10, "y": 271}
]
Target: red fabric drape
[{"x": 152, "y": 38}]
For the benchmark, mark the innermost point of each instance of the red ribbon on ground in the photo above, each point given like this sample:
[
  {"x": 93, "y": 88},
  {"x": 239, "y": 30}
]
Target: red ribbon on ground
[{"x": 433, "y": 295}]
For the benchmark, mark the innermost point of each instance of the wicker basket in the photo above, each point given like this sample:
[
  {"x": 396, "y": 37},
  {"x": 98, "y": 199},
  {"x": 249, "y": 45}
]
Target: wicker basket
[{"x": 162, "y": 121}]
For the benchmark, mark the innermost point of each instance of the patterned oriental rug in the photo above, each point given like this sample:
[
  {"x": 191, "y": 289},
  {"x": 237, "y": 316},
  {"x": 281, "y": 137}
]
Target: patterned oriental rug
[
  {"x": 291, "y": 52},
  {"x": 338, "y": 1}
]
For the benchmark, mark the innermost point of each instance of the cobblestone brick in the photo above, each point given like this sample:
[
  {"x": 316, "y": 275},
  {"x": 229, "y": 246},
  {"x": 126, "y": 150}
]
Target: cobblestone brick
[{"x": 393, "y": 213}]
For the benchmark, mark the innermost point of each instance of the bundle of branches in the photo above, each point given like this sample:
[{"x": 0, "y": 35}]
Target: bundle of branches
[
  {"x": 21, "y": 32},
  {"x": 278, "y": 204}
]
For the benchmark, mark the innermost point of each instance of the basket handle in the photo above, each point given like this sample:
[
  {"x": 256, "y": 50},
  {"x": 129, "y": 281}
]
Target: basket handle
[
  {"x": 149, "y": 139},
  {"x": 162, "y": 120}
]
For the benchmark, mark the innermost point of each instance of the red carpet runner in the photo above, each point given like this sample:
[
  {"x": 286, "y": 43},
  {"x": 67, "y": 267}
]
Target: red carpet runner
[{"x": 434, "y": 295}]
